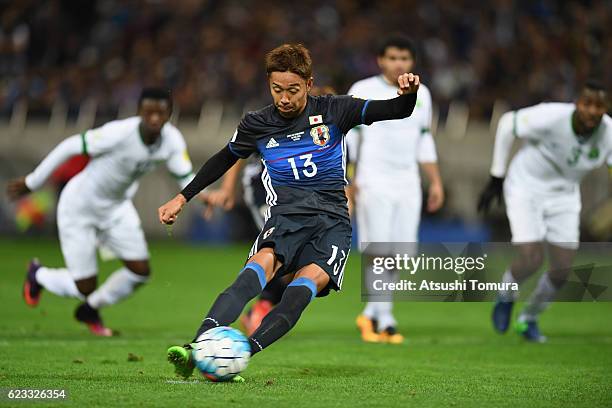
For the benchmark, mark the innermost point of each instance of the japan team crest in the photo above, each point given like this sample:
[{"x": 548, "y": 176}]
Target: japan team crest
[{"x": 320, "y": 135}]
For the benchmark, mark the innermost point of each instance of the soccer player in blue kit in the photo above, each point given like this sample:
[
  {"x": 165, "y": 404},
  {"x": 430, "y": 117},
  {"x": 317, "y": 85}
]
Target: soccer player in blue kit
[{"x": 307, "y": 232}]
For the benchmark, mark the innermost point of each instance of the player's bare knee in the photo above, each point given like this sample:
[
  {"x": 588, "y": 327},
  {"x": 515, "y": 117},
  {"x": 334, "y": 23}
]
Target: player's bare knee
[
  {"x": 316, "y": 274},
  {"x": 141, "y": 268},
  {"x": 268, "y": 260},
  {"x": 86, "y": 286},
  {"x": 561, "y": 261},
  {"x": 559, "y": 272},
  {"x": 534, "y": 261},
  {"x": 531, "y": 257},
  {"x": 558, "y": 277}
]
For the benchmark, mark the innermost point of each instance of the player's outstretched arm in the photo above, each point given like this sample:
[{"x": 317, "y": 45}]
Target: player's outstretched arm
[
  {"x": 504, "y": 138},
  {"x": 396, "y": 108},
  {"x": 21, "y": 186},
  {"x": 210, "y": 172}
]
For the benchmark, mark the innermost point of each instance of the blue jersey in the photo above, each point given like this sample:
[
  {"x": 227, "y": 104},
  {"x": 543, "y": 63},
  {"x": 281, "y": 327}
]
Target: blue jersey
[{"x": 305, "y": 157}]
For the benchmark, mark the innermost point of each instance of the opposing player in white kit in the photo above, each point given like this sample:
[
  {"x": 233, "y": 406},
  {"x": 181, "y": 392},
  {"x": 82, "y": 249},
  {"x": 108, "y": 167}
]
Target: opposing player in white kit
[
  {"x": 95, "y": 207},
  {"x": 387, "y": 182},
  {"x": 562, "y": 143}
]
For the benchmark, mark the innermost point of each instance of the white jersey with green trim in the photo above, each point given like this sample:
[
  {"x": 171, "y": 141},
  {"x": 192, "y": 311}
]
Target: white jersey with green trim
[
  {"x": 553, "y": 158},
  {"x": 388, "y": 152},
  {"x": 119, "y": 158}
]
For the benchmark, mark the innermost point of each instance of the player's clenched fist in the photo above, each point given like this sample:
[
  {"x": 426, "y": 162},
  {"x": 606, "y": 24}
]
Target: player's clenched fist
[
  {"x": 17, "y": 188},
  {"x": 408, "y": 83},
  {"x": 170, "y": 211}
]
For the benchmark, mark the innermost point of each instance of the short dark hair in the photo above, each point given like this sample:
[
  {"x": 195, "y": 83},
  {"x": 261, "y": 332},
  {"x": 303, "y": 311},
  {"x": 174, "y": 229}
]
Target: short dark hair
[
  {"x": 290, "y": 58},
  {"x": 156, "y": 93},
  {"x": 398, "y": 41},
  {"x": 594, "y": 84}
]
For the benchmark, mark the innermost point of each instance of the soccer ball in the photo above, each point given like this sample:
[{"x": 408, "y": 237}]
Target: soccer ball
[{"x": 221, "y": 353}]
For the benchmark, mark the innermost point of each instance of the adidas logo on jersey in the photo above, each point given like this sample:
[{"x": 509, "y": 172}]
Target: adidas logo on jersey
[
  {"x": 271, "y": 143},
  {"x": 268, "y": 233}
]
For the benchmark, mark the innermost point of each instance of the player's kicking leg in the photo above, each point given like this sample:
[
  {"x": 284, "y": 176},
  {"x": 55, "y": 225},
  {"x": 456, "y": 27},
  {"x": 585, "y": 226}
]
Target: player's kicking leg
[
  {"x": 323, "y": 254},
  {"x": 260, "y": 269},
  {"x": 255, "y": 199},
  {"x": 270, "y": 297},
  {"x": 307, "y": 282}
]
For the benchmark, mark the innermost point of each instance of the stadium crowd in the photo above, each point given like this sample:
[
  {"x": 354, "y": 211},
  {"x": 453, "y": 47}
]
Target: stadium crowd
[{"x": 473, "y": 51}]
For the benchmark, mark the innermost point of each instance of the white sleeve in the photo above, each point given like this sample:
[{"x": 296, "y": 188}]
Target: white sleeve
[
  {"x": 179, "y": 163},
  {"x": 426, "y": 148},
  {"x": 103, "y": 139},
  {"x": 534, "y": 122},
  {"x": 71, "y": 146},
  {"x": 504, "y": 138}
]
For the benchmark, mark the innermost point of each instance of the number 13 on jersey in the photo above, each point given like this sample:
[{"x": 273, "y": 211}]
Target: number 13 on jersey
[{"x": 309, "y": 170}]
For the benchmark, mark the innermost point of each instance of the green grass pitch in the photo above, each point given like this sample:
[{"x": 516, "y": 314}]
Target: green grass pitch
[{"x": 452, "y": 356}]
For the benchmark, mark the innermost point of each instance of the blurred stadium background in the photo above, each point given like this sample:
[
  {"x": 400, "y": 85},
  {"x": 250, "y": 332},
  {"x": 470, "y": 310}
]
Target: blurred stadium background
[{"x": 69, "y": 65}]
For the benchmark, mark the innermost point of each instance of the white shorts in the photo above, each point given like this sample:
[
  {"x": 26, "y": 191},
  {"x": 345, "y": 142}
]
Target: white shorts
[
  {"x": 533, "y": 217},
  {"x": 388, "y": 214},
  {"x": 82, "y": 229}
]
